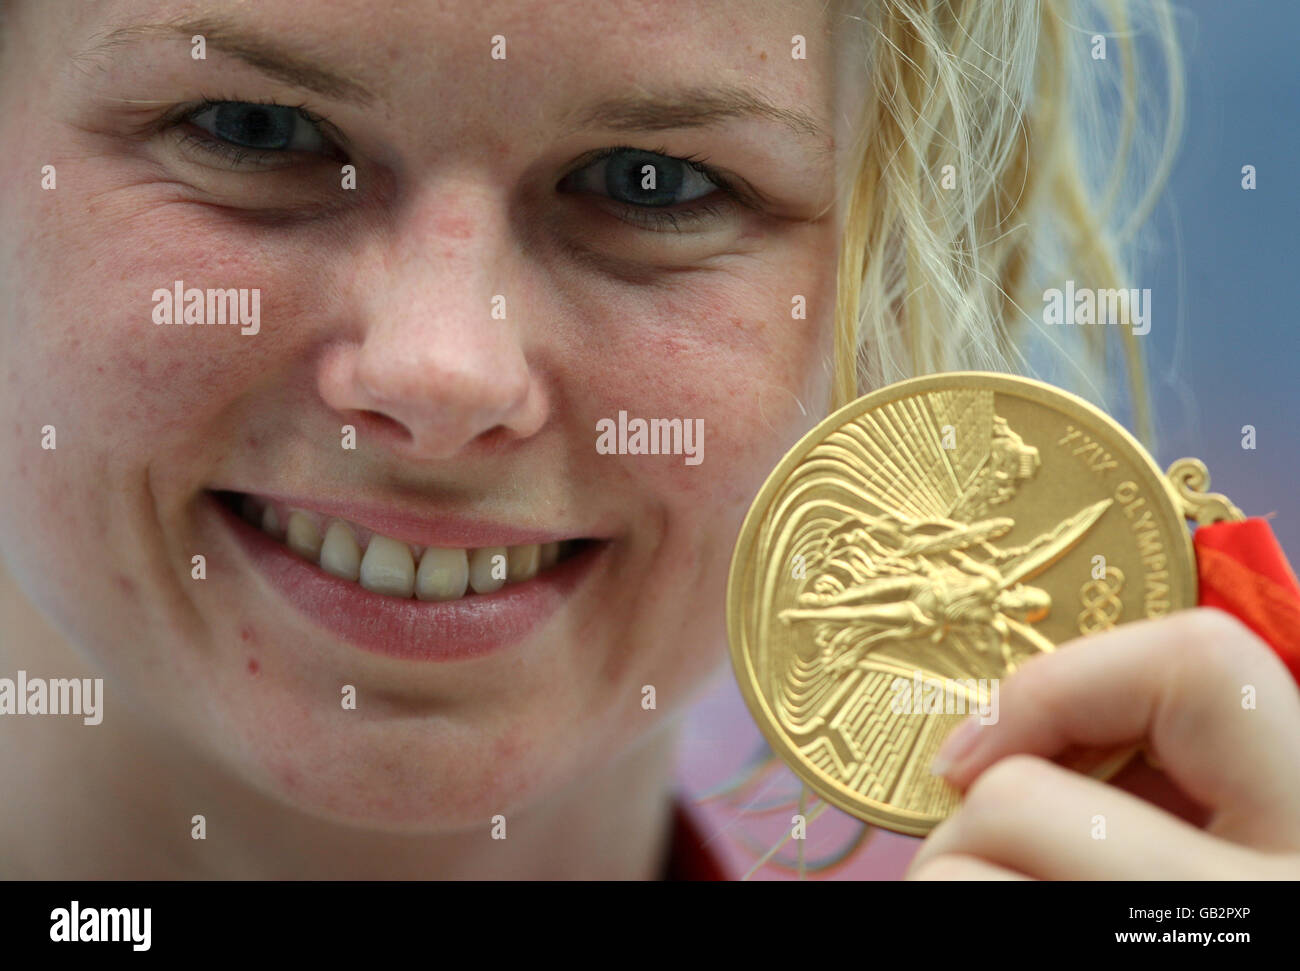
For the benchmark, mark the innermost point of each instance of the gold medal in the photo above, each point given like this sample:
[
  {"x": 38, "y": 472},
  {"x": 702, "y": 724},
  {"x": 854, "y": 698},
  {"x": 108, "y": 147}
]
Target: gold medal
[{"x": 919, "y": 545}]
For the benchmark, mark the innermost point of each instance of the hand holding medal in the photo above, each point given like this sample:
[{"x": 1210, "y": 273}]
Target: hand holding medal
[{"x": 926, "y": 542}]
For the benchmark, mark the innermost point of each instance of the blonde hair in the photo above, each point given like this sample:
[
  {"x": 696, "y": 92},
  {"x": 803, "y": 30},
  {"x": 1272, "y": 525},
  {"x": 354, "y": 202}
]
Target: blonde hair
[{"x": 1013, "y": 95}]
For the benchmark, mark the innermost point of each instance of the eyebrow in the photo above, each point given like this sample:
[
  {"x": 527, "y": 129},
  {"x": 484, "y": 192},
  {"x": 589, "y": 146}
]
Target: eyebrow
[
  {"x": 696, "y": 107},
  {"x": 693, "y": 108},
  {"x": 271, "y": 58}
]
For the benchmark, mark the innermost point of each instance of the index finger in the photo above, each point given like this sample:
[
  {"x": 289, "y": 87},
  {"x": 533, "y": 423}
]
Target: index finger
[{"x": 1214, "y": 704}]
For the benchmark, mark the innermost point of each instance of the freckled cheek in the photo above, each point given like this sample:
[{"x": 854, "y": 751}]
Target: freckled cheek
[
  {"x": 741, "y": 373},
  {"x": 84, "y": 355},
  {"x": 690, "y": 366},
  {"x": 134, "y": 381}
]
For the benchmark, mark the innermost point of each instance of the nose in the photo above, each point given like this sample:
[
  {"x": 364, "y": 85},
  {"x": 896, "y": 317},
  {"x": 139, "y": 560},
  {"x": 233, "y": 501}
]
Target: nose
[{"x": 440, "y": 363}]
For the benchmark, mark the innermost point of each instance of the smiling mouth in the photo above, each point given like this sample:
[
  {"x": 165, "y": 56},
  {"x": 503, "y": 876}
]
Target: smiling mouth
[{"x": 397, "y": 568}]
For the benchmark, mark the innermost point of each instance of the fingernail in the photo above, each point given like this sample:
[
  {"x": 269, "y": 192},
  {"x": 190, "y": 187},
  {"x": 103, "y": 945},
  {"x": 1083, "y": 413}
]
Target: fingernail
[{"x": 956, "y": 746}]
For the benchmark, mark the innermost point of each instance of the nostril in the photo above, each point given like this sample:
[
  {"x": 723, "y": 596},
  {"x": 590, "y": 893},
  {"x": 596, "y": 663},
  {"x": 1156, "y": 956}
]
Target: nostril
[
  {"x": 495, "y": 439},
  {"x": 378, "y": 425}
]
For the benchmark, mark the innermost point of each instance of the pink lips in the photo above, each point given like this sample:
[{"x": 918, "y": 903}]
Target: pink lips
[{"x": 453, "y": 630}]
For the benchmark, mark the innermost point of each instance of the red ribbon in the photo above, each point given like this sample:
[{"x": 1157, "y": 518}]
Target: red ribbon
[{"x": 1243, "y": 570}]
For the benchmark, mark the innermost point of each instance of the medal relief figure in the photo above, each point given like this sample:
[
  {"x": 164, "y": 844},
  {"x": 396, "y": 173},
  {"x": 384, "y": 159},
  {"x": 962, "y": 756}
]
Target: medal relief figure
[{"x": 906, "y": 574}]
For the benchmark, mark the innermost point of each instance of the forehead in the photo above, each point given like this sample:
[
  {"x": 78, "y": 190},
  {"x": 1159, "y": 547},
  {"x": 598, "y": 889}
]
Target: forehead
[{"x": 509, "y": 51}]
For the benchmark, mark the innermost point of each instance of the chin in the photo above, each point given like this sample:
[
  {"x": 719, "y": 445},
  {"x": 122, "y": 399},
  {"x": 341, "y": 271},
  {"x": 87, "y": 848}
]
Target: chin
[{"x": 413, "y": 777}]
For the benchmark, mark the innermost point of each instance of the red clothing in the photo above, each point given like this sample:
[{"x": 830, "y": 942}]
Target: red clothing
[
  {"x": 689, "y": 858},
  {"x": 1244, "y": 571}
]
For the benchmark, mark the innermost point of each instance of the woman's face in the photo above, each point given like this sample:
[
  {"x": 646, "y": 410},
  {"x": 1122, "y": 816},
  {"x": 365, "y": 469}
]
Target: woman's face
[{"x": 496, "y": 283}]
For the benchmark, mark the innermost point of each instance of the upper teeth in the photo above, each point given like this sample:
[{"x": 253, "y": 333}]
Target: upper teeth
[{"x": 399, "y": 569}]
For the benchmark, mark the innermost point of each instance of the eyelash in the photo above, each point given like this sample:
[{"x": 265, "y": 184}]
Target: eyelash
[
  {"x": 655, "y": 219},
  {"x": 235, "y": 155}
]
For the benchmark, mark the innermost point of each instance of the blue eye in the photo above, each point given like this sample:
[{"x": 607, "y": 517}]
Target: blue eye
[
  {"x": 639, "y": 178},
  {"x": 260, "y": 127}
]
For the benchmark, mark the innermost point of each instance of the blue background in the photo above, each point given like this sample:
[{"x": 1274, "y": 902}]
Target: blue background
[{"x": 1222, "y": 267}]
